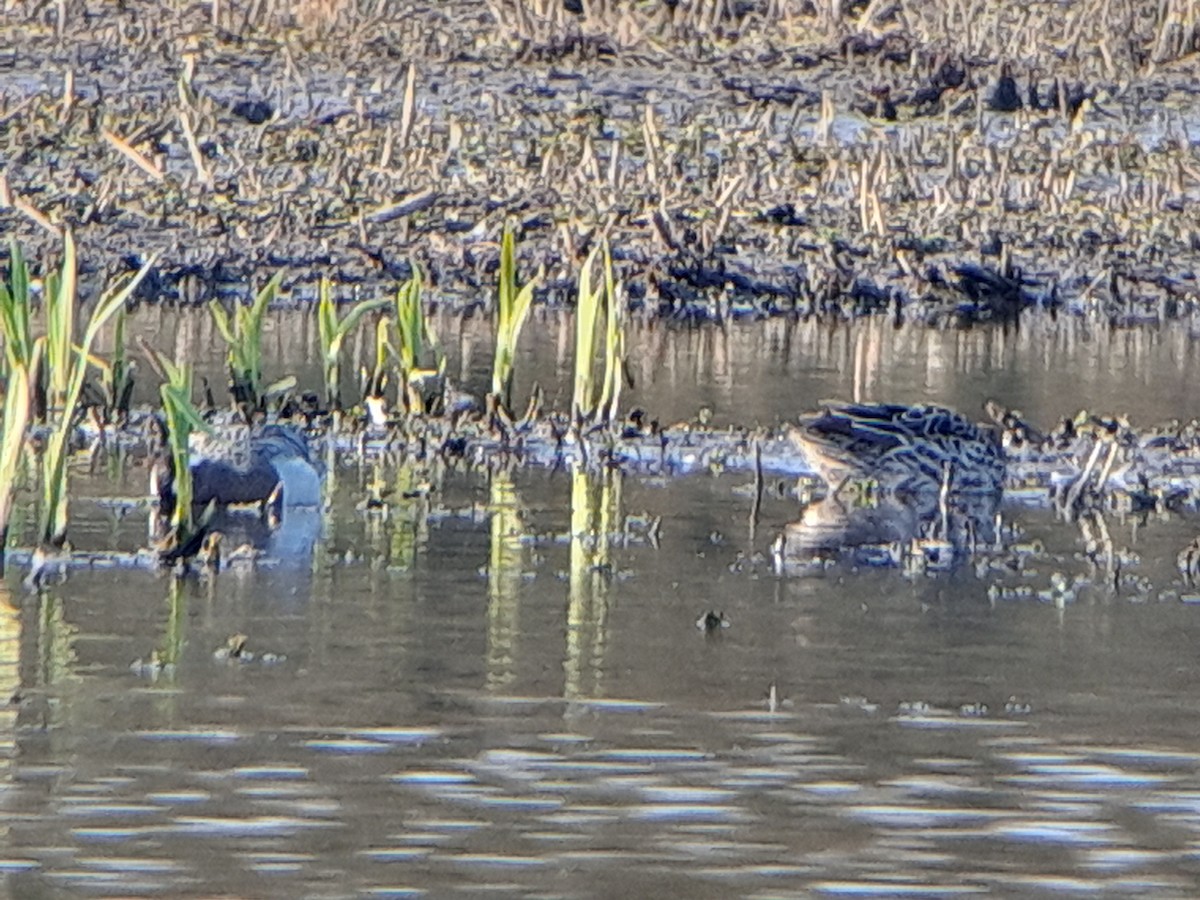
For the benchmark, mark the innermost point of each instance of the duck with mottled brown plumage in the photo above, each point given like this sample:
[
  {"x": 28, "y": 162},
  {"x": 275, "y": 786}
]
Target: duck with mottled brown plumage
[{"x": 901, "y": 449}]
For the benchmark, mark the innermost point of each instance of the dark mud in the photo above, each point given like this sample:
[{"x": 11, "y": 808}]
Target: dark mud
[{"x": 747, "y": 162}]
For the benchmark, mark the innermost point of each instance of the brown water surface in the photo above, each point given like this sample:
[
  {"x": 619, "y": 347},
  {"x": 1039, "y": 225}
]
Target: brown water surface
[{"x": 501, "y": 684}]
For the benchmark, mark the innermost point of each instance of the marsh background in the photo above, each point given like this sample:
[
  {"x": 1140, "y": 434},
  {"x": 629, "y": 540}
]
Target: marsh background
[{"x": 501, "y": 684}]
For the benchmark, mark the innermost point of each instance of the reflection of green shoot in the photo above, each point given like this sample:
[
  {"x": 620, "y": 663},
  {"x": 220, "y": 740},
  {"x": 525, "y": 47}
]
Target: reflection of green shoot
[
  {"x": 52, "y": 525},
  {"x": 243, "y": 335},
  {"x": 512, "y": 309},
  {"x": 22, "y": 357},
  {"x": 505, "y": 565},
  {"x": 332, "y": 333},
  {"x": 414, "y": 342},
  {"x": 595, "y": 510},
  {"x": 590, "y": 306},
  {"x": 176, "y": 628}
]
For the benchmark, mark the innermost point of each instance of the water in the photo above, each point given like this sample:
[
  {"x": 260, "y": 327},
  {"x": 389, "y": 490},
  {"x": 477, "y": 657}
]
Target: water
[{"x": 461, "y": 697}]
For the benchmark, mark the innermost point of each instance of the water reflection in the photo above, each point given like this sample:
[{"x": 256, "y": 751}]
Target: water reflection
[
  {"x": 388, "y": 750},
  {"x": 595, "y": 510},
  {"x": 487, "y": 687},
  {"x": 505, "y": 571},
  {"x": 888, "y": 529},
  {"x": 750, "y": 372}
]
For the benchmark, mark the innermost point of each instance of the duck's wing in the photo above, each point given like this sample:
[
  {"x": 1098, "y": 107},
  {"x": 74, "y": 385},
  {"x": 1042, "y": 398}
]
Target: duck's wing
[
  {"x": 225, "y": 483},
  {"x": 865, "y": 432}
]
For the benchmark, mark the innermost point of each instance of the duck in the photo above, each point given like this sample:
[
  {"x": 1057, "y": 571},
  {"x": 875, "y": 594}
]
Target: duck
[
  {"x": 275, "y": 468},
  {"x": 901, "y": 449}
]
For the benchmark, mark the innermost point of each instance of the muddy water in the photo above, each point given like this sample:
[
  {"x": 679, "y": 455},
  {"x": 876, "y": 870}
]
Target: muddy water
[{"x": 462, "y": 696}]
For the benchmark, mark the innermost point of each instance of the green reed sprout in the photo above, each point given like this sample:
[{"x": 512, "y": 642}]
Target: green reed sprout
[
  {"x": 512, "y": 309},
  {"x": 376, "y": 381},
  {"x": 52, "y": 521},
  {"x": 21, "y": 360},
  {"x": 182, "y": 418},
  {"x": 590, "y": 306},
  {"x": 117, "y": 381},
  {"x": 587, "y": 315},
  {"x": 614, "y": 343},
  {"x": 243, "y": 334},
  {"x": 415, "y": 344},
  {"x": 15, "y": 319},
  {"x": 60, "y": 300},
  {"x": 332, "y": 333}
]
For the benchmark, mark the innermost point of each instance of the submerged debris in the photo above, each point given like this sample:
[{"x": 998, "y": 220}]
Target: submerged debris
[{"x": 712, "y": 621}]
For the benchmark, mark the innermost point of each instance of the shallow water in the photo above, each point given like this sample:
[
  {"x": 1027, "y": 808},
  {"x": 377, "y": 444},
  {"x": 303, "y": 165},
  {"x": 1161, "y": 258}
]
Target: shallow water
[{"x": 461, "y": 697}]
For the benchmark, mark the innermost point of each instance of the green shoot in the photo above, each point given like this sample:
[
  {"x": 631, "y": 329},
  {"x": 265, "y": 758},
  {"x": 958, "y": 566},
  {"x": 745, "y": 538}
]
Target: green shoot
[
  {"x": 590, "y": 306},
  {"x": 52, "y": 523},
  {"x": 614, "y": 344},
  {"x": 587, "y": 313},
  {"x": 17, "y": 407},
  {"x": 376, "y": 382},
  {"x": 415, "y": 341},
  {"x": 117, "y": 380},
  {"x": 20, "y": 364},
  {"x": 182, "y": 418},
  {"x": 60, "y": 299},
  {"x": 243, "y": 334},
  {"x": 332, "y": 333},
  {"x": 15, "y": 323},
  {"x": 512, "y": 309}
]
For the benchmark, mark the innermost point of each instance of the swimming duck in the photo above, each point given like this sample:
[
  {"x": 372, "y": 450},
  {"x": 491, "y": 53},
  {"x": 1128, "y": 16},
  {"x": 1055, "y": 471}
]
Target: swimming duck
[
  {"x": 904, "y": 449},
  {"x": 274, "y": 467}
]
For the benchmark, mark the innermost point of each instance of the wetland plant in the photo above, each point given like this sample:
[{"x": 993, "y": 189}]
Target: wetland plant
[
  {"x": 590, "y": 306},
  {"x": 181, "y": 419},
  {"x": 60, "y": 300},
  {"x": 420, "y": 387},
  {"x": 116, "y": 382},
  {"x": 22, "y": 356},
  {"x": 512, "y": 309},
  {"x": 52, "y": 521},
  {"x": 375, "y": 381},
  {"x": 332, "y": 333},
  {"x": 242, "y": 333}
]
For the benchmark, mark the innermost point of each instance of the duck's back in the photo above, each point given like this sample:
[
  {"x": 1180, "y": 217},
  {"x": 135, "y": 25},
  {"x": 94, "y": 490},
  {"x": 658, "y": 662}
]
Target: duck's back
[{"x": 902, "y": 447}]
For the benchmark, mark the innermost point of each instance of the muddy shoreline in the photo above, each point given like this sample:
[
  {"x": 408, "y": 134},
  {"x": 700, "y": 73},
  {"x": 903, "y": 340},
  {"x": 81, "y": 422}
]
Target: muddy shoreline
[{"x": 736, "y": 168}]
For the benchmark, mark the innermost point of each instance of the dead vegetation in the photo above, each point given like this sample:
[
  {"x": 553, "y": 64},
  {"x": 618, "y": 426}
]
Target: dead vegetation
[{"x": 766, "y": 154}]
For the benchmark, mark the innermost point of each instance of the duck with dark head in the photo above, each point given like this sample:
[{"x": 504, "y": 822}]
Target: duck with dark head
[{"x": 271, "y": 466}]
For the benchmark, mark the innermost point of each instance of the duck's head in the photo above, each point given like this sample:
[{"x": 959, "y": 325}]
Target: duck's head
[{"x": 286, "y": 451}]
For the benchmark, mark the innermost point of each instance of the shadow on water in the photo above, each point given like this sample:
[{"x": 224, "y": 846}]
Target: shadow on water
[{"x": 465, "y": 679}]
